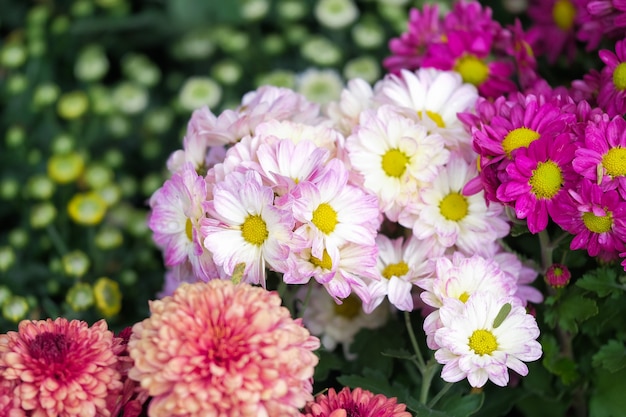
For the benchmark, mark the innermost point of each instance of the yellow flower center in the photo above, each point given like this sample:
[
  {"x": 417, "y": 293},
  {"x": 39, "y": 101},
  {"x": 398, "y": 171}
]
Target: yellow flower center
[
  {"x": 254, "y": 230},
  {"x": 434, "y": 116},
  {"x": 65, "y": 168},
  {"x": 463, "y": 297},
  {"x": 546, "y": 180},
  {"x": 472, "y": 69},
  {"x": 454, "y": 207},
  {"x": 324, "y": 263},
  {"x": 598, "y": 224},
  {"x": 615, "y": 162},
  {"x": 87, "y": 209},
  {"x": 483, "y": 342},
  {"x": 189, "y": 230},
  {"x": 349, "y": 308},
  {"x": 325, "y": 218},
  {"x": 619, "y": 76},
  {"x": 395, "y": 270},
  {"x": 563, "y": 14},
  {"x": 394, "y": 163},
  {"x": 518, "y": 138}
]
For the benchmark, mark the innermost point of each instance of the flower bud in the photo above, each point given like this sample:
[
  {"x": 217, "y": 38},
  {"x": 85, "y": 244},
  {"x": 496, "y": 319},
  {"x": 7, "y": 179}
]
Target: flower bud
[
  {"x": 558, "y": 276},
  {"x": 108, "y": 296},
  {"x": 80, "y": 297},
  {"x": 76, "y": 263},
  {"x": 15, "y": 308}
]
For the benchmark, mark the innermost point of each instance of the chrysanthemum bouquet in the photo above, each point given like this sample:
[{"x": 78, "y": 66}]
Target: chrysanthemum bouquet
[{"x": 447, "y": 240}]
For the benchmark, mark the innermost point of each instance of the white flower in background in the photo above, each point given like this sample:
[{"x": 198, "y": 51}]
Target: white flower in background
[
  {"x": 354, "y": 99},
  {"x": 484, "y": 337},
  {"x": 254, "y": 9},
  {"x": 337, "y": 323},
  {"x": 336, "y": 14},
  {"x": 129, "y": 97},
  {"x": 91, "y": 64},
  {"x": 319, "y": 86},
  {"x": 364, "y": 67},
  {"x": 198, "y": 92},
  {"x": 321, "y": 51}
]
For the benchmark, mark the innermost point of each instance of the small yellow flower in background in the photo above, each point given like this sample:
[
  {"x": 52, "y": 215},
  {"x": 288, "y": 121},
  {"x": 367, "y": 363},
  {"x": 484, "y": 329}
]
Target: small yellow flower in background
[
  {"x": 65, "y": 168},
  {"x": 80, "y": 297},
  {"x": 72, "y": 105},
  {"x": 42, "y": 214},
  {"x": 108, "y": 296},
  {"x": 87, "y": 209},
  {"x": 76, "y": 263},
  {"x": 15, "y": 308},
  {"x": 7, "y": 259}
]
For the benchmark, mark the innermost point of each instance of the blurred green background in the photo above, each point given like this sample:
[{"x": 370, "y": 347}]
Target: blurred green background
[{"x": 95, "y": 95}]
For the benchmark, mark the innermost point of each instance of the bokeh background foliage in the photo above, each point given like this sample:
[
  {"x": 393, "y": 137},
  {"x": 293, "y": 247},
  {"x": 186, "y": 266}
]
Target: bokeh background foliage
[{"x": 95, "y": 94}]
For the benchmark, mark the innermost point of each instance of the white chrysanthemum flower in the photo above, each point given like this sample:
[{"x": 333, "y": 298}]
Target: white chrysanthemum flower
[
  {"x": 336, "y": 14},
  {"x": 319, "y": 86},
  {"x": 354, "y": 99},
  {"x": 395, "y": 155},
  {"x": 400, "y": 264},
  {"x": 446, "y": 217},
  {"x": 245, "y": 227},
  {"x": 484, "y": 337},
  {"x": 434, "y": 97},
  {"x": 458, "y": 277},
  {"x": 321, "y": 134},
  {"x": 338, "y": 323}
]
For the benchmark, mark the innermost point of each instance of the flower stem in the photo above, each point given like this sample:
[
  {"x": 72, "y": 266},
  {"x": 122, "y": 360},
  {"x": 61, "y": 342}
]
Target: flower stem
[
  {"x": 421, "y": 365},
  {"x": 440, "y": 394},
  {"x": 56, "y": 239},
  {"x": 427, "y": 379}
]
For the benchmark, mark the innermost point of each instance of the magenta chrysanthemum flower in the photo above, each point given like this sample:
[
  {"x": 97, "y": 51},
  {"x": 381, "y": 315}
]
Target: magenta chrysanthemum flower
[
  {"x": 61, "y": 368},
  {"x": 600, "y": 20},
  {"x": 408, "y": 50},
  {"x": 612, "y": 95},
  {"x": 538, "y": 178},
  {"x": 220, "y": 349},
  {"x": 558, "y": 275},
  {"x": 554, "y": 28},
  {"x": 602, "y": 155},
  {"x": 596, "y": 218},
  {"x": 354, "y": 403}
]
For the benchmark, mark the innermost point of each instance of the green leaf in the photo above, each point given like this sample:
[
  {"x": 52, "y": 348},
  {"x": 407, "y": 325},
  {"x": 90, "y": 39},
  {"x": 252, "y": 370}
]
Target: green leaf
[
  {"x": 570, "y": 311},
  {"x": 611, "y": 356},
  {"x": 555, "y": 363},
  {"x": 328, "y": 362},
  {"x": 602, "y": 281},
  {"x": 462, "y": 405},
  {"x": 607, "y": 398}
]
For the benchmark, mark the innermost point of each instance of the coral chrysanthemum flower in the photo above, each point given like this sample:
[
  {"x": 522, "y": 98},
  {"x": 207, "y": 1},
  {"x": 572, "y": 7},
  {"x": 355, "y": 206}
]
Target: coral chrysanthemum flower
[
  {"x": 596, "y": 218},
  {"x": 602, "y": 157},
  {"x": 482, "y": 338},
  {"x": 62, "y": 368},
  {"x": 538, "y": 179},
  {"x": 220, "y": 349},
  {"x": 357, "y": 402}
]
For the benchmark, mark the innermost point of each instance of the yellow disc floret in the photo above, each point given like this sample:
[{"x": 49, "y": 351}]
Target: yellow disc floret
[
  {"x": 483, "y": 342},
  {"x": 546, "y": 180},
  {"x": 394, "y": 163},
  {"x": 454, "y": 207},
  {"x": 254, "y": 230},
  {"x": 521, "y": 137},
  {"x": 325, "y": 218}
]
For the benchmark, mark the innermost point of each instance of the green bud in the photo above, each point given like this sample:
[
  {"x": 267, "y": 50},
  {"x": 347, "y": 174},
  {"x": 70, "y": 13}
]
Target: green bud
[
  {"x": 139, "y": 68},
  {"x": 16, "y": 83},
  {"x": 72, "y": 105},
  {"x": 198, "y": 92},
  {"x": 119, "y": 125},
  {"x": 45, "y": 95},
  {"x": 232, "y": 41},
  {"x": 273, "y": 44},
  {"x": 110, "y": 193},
  {"x": 91, "y": 64},
  {"x": 252, "y": 10},
  {"x": 53, "y": 286},
  {"x": 109, "y": 238},
  {"x": 151, "y": 183},
  {"x": 42, "y": 214},
  {"x": 38, "y": 15},
  {"x": 278, "y": 78},
  {"x": 364, "y": 67},
  {"x": 321, "y": 51},
  {"x": 15, "y": 308},
  {"x": 129, "y": 97},
  {"x": 368, "y": 34},
  {"x": 196, "y": 44},
  {"x": 98, "y": 175},
  {"x": 7, "y": 259},
  {"x": 15, "y": 136},
  {"x": 80, "y": 296},
  {"x": 9, "y": 188},
  {"x": 63, "y": 143},
  {"x": 128, "y": 186},
  {"x": 82, "y": 8},
  {"x": 108, "y": 296},
  {"x": 18, "y": 238},
  {"x": 5, "y": 294},
  {"x": 40, "y": 187},
  {"x": 60, "y": 25},
  {"x": 128, "y": 277},
  {"x": 292, "y": 9},
  {"x": 33, "y": 157},
  {"x": 227, "y": 71},
  {"x": 13, "y": 55},
  {"x": 76, "y": 263},
  {"x": 159, "y": 120},
  {"x": 37, "y": 47}
]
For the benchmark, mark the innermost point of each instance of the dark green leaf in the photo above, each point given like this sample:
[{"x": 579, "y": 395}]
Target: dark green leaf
[
  {"x": 462, "y": 405},
  {"x": 602, "y": 281},
  {"x": 570, "y": 311},
  {"x": 611, "y": 356},
  {"x": 607, "y": 398}
]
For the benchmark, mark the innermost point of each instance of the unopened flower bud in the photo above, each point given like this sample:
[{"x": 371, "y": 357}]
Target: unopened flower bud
[{"x": 558, "y": 275}]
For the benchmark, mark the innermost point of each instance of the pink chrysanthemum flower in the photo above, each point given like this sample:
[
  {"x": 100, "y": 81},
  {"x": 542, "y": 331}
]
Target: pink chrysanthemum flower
[
  {"x": 62, "y": 368},
  {"x": 176, "y": 210},
  {"x": 220, "y": 349},
  {"x": 354, "y": 403},
  {"x": 596, "y": 218},
  {"x": 424, "y": 28},
  {"x": 355, "y": 97},
  {"x": 539, "y": 179},
  {"x": 612, "y": 95},
  {"x": 602, "y": 155},
  {"x": 484, "y": 337},
  {"x": 554, "y": 28}
]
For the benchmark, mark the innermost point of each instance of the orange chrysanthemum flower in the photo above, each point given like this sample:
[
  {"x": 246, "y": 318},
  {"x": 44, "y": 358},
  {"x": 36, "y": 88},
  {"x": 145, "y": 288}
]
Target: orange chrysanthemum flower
[
  {"x": 61, "y": 368},
  {"x": 357, "y": 403},
  {"x": 220, "y": 349}
]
